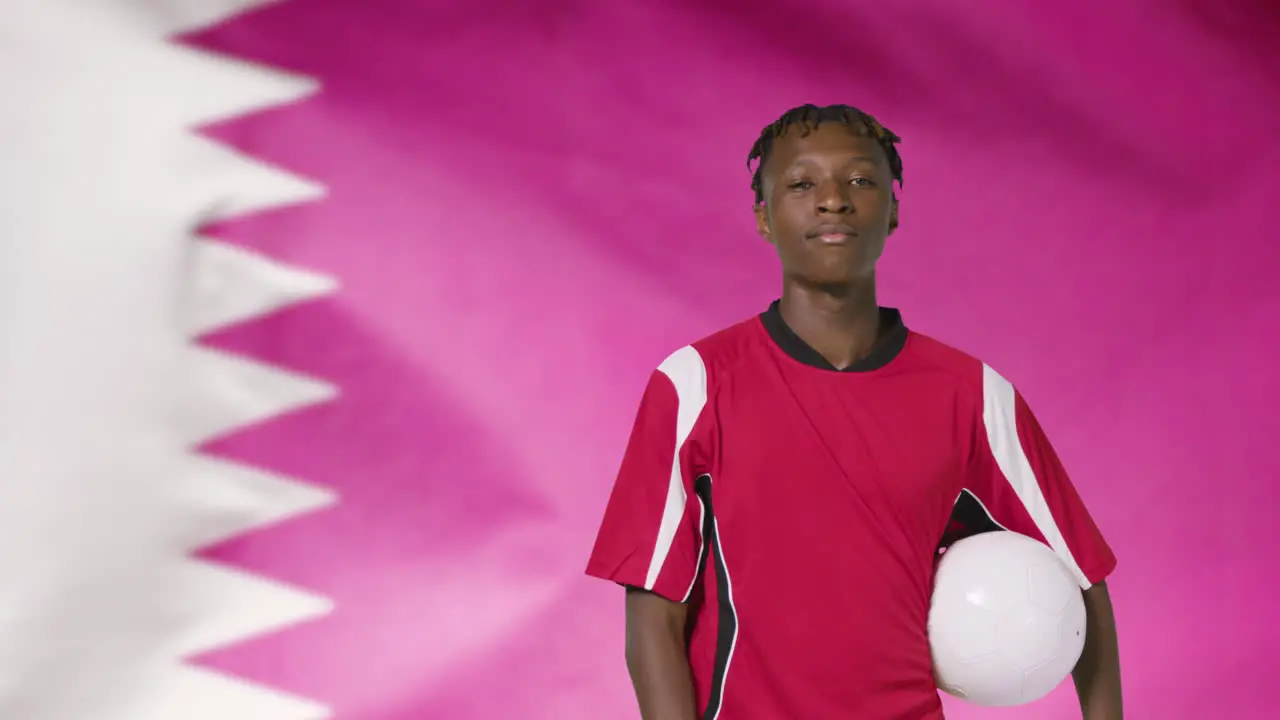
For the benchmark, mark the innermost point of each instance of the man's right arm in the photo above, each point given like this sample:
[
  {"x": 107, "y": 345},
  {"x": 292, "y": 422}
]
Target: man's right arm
[
  {"x": 658, "y": 656},
  {"x": 650, "y": 539}
]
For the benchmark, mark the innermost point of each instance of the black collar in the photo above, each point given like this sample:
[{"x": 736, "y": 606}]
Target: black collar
[{"x": 894, "y": 339}]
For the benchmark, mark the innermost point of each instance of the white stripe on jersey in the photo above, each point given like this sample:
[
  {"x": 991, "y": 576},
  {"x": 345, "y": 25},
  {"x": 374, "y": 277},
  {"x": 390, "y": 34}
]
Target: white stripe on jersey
[
  {"x": 999, "y": 402},
  {"x": 688, "y": 374}
]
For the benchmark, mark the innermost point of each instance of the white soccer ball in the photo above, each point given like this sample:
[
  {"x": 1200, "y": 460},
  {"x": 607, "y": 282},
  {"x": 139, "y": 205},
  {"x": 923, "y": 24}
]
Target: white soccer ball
[{"x": 1007, "y": 620}]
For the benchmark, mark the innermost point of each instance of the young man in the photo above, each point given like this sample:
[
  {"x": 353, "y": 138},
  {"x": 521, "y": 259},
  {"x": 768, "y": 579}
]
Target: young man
[{"x": 789, "y": 480}]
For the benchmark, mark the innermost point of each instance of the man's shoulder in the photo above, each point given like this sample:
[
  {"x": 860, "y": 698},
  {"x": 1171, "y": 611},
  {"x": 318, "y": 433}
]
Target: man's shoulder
[
  {"x": 937, "y": 351},
  {"x": 742, "y": 336},
  {"x": 959, "y": 366},
  {"x": 966, "y": 371},
  {"x": 713, "y": 354}
]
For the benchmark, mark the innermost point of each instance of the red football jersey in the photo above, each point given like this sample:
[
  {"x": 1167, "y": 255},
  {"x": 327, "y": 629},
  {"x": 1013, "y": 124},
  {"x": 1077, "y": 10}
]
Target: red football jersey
[{"x": 799, "y": 510}]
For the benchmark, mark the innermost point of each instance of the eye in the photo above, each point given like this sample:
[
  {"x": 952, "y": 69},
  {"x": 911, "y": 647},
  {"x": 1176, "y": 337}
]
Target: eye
[
  {"x": 800, "y": 185},
  {"x": 862, "y": 182}
]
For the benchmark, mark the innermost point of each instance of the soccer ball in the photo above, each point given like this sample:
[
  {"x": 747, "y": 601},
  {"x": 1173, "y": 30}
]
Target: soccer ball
[{"x": 1007, "y": 620}]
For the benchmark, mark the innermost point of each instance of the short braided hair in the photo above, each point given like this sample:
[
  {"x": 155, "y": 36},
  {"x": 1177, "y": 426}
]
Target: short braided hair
[{"x": 808, "y": 117}]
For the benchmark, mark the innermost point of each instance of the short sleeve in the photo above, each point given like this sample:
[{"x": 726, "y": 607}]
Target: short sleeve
[
  {"x": 651, "y": 536},
  {"x": 1021, "y": 483}
]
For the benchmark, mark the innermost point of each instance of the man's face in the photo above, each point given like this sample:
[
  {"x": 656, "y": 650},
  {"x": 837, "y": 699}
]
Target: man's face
[{"x": 828, "y": 204}]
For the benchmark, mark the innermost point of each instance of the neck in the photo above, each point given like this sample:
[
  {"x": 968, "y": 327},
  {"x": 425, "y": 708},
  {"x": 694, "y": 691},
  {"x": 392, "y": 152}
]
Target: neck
[{"x": 841, "y": 323}]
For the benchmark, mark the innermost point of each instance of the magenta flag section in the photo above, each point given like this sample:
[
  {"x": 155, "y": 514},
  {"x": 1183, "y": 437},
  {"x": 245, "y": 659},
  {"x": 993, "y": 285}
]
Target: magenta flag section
[{"x": 530, "y": 204}]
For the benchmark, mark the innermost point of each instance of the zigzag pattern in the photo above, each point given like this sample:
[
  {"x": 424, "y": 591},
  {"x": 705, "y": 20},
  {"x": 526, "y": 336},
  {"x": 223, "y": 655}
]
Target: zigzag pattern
[
  {"x": 232, "y": 285},
  {"x": 106, "y": 504}
]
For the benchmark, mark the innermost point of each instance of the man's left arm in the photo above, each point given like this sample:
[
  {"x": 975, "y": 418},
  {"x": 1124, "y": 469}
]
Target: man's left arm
[
  {"x": 1097, "y": 674},
  {"x": 1024, "y": 487}
]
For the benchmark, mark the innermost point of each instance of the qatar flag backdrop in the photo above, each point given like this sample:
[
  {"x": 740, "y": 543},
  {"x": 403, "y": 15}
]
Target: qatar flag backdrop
[{"x": 323, "y": 322}]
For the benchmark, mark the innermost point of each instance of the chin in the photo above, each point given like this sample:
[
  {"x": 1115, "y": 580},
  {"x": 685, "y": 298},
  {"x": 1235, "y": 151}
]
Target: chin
[
  {"x": 827, "y": 284},
  {"x": 838, "y": 275},
  {"x": 829, "y": 271}
]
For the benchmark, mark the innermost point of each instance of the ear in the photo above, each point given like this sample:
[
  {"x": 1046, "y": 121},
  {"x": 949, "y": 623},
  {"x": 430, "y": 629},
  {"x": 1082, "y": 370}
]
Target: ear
[
  {"x": 893, "y": 215},
  {"x": 762, "y": 222}
]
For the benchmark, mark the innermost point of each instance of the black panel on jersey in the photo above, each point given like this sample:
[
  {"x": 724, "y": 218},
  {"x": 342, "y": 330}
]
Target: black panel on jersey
[
  {"x": 727, "y": 627},
  {"x": 968, "y": 518},
  {"x": 895, "y": 338}
]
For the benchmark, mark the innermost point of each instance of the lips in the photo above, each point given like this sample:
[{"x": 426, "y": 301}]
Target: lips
[{"x": 834, "y": 230}]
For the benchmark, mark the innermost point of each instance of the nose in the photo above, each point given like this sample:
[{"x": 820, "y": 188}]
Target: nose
[{"x": 834, "y": 199}]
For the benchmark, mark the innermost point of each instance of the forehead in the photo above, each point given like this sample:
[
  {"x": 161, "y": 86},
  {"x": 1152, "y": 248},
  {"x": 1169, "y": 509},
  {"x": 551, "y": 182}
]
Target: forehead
[{"x": 829, "y": 142}]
